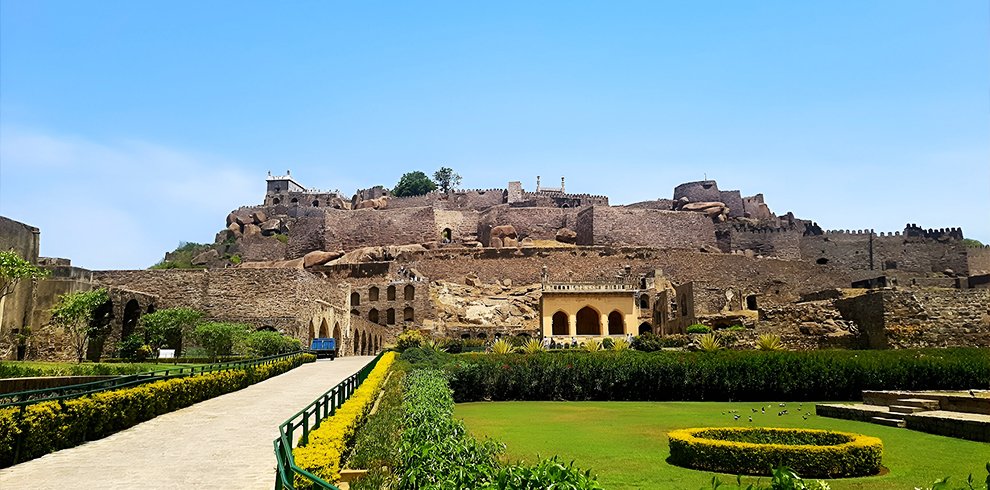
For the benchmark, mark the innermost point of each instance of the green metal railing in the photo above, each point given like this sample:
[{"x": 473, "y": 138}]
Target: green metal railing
[
  {"x": 30, "y": 397},
  {"x": 308, "y": 419}
]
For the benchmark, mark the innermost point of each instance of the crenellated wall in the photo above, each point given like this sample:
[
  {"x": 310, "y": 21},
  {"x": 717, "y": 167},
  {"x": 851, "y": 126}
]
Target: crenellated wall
[{"x": 781, "y": 242}]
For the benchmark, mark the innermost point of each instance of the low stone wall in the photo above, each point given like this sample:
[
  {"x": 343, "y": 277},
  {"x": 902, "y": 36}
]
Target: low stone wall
[{"x": 974, "y": 428}]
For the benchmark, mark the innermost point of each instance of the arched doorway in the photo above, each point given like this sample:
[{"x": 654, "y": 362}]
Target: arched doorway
[
  {"x": 409, "y": 292},
  {"x": 446, "y": 236},
  {"x": 373, "y": 316},
  {"x": 312, "y": 333},
  {"x": 559, "y": 324},
  {"x": 645, "y": 328},
  {"x": 100, "y": 327},
  {"x": 589, "y": 321},
  {"x": 336, "y": 334},
  {"x": 616, "y": 323},
  {"x": 373, "y": 293},
  {"x": 390, "y": 293},
  {"x": 324, "y": 329},
  {"x": 132, "y": 311},
  {"x": 390, "y": 316},
  {"x": 355, "y": 299}
]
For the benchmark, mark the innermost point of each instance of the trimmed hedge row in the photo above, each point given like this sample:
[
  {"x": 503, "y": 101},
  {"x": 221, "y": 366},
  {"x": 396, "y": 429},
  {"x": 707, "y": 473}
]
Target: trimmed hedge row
[
  {"x": 716, "y": 376},
  {"x": 437, "y": 452},
  {"x": 50, "y": 426},
  {"x": 323, "y": 454},
  {"x": 808, "y": 452}
]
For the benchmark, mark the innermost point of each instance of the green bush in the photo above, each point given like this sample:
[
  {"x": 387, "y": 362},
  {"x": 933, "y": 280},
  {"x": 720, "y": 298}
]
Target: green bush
[
  {"x": 220, "y": 339},
  {"x": 699, "y": 328},
  {"x": 409, "y": 338},
  {"x": 264, "y": 343},
  {"x": 128, "y": 348},
  {"x": 756, "y": 450},
  {"x": 709, "y": 343},
  {"x": 648, "y": 342},
  {"x": 769, "y": 341},
  {"x": 436, "y": 451},
  {"x": 607, "y": 343},
  {"x": 710, "y": 376},
  {"x": 50, "y": 426}
]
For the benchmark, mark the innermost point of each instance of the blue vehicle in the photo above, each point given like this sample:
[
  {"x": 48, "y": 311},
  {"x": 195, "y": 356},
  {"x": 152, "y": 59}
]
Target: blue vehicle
[{"x": 324, "y": 348}]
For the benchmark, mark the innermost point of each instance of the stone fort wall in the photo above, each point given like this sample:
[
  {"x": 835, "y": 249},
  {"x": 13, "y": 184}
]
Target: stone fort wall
[
  {"x": 866, "y": 250},
  {"x": 978, "y": 260},
  {"x": 609, "y": 226},
  {"x": 534, "y": 223}
]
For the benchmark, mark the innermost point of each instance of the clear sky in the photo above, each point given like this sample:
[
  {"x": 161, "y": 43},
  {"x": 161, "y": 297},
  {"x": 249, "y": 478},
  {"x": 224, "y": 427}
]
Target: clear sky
[{"x": 129, "y": 126}]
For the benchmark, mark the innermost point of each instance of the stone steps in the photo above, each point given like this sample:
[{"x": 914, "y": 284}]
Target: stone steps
[
  {"x": 905, "y": 409},
  {"x": 922, "y": 403},
  {"x": 888, "y": 421}
]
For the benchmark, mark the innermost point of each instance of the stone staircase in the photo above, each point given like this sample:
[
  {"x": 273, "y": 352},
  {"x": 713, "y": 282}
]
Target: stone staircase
[
  {"x": 956, "y": 415},
  {"x": 904, "y": 406}
]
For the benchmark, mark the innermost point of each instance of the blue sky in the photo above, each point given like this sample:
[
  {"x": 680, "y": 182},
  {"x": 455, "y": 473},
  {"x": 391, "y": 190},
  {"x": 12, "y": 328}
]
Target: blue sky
[{"x": 127, "y": 127}]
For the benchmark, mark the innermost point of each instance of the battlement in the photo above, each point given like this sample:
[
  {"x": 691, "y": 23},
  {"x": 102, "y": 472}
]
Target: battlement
[{"x": 739, "y": 228}]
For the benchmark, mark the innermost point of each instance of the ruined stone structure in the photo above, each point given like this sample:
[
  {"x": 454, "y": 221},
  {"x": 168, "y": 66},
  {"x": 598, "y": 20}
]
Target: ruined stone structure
[{"x": 490, "y": 262}]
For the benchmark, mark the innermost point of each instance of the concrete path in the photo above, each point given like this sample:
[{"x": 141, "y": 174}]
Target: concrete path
[{"x": 223, "y": 443}]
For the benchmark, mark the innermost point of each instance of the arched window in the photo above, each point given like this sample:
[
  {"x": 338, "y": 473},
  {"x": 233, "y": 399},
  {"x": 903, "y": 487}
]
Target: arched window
[
  {"x": 132, "y": 311},
  {"x": 409, "y": 292},
  {"x": 390, "y": 316},
  {"x": 390, "y": 293},
  {"x": 355, "y": 299},
  {"x": 589, "y": 322},
  {"x": 373, "y": 316},
  {"x": 482, "y": 336},
  {"x": 373, "y": 293},
  {"x": 294, "y": 201},
  {"x": 407, "y": 314},
  {"x": 559, "y": 324},
  {"x": 616, "y": 323},
  {"x": 276, "y": 201},
  {"x": 645, "y": 328},
  {"x": 316, "y": 204},
  {"x": 644, "y": 301}
]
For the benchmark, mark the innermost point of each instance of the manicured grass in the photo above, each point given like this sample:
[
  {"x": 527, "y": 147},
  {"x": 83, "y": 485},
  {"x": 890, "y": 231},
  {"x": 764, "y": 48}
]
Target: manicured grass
[{"x": 625, "y": 443}]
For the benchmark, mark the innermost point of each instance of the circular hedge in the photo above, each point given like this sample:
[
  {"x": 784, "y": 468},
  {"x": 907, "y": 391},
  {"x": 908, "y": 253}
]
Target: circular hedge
[{"x": 756, "y": 450}]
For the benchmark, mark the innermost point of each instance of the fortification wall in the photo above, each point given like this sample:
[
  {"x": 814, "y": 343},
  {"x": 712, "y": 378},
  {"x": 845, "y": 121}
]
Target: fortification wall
[
  {"x": 535, "y": 223},
  {"x": 732, "y": 199},
  {"x": 349, "y": 230},
  {"x": 919, "y": 254},
  {"x": 468, "y": 199},
  {"x": 644, "y": 227},
  {"x": 15, "y": 308},
  {"x": 661, "y": 204},
  {"x": 844, "y": 249},
  {"x": 777, "y": 280},
  {"x": 463, "y": 225},
  {"x": 286, "y": 299},
  {"x": 978, "y": 260},
  {"x": 755, "y": 208},
  {"x": 700, "y": 191},
  {"x": 306, "y": 235},
  {"x": 784, "y": 243}
]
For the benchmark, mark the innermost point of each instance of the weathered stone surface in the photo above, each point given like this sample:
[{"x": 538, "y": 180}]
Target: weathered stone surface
[
  {"x": 251, "y": 229},
  {"x": 509, "y": 242},
  {"x": 235, "y": 228},
  {"x": 225, "y": 236},
  {"x": 379, "y": 203},
  {"x": 319, "y": 257},
  {"x": 496, "y": 242},
  {"x": 566, "y": 235},
  {"x": 259, "y": 217},
  {"x": 244, "y": 218},
  {"x": 271, "y": 227},
  {"x": 504, "y": 231},
  {"x": 206, "y": 257}
]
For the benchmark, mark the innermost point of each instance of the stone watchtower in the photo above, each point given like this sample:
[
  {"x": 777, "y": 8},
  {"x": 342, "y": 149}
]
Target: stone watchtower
[{"x": 279, "y": 187}]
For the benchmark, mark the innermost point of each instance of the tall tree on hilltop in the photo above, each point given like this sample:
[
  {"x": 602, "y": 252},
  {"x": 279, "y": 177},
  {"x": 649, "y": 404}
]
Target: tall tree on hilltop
[
  {"x": 413, "y": 184},
  {"x": 446, "y": 179}
]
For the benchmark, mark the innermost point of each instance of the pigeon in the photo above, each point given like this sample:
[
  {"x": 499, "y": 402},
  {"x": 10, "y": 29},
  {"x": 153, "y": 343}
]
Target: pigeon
[
  {"x": 753, "y": 409},
  {"x": 750, "y": 418},
  {"x": 763, "y": 410},
  {"x": 736, "y": 417}
]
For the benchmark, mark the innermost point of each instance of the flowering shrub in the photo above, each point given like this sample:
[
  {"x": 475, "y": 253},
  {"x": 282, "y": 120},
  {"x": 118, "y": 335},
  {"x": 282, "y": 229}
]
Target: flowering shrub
[
  {"x": 50, "y": 426},
  {"x": 324, "y": 453}
]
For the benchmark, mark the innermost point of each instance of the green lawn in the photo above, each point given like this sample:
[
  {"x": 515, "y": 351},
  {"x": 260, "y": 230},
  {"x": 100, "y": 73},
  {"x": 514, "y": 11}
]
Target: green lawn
[{"x": 625, "y": 443}]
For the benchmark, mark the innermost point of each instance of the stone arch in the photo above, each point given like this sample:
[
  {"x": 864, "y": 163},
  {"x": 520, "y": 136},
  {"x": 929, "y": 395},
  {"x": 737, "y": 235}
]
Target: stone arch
[
  {"x": 822, "y": 261},
  {"x": 390, "y": 293},
  {"x": 373, "y": 315},
  {"x": 276, "y": 201},
  {"x": 316, "y": 203},
  {"x": 312, "y": 333},
  {"x": 645, "y": 327},
  {"x": 751, "y": 302},
  {"x": 355, "y": 299},
  {"x": 446, "y": 236},
  {"x": 373, "y": 293},
  {"x": 364, "y": 343},
  {"x": 482, "y": 335},
  {"x": 409, "y": 292},
  {"x": 336, "y": 334},
  {"x": 100, "y": 325},
  {"x": 151, "y": 308},
  {"x": 644, "y": 301},
  {"x": 589, "y": 321},
  {"x": 266, "y": 328},
  {"x": 355, "y": 312},
  {"x": 407, "y": 314},
  {"x": 324, "y": 329},
  {"x": 132, "y": 312},
  {"x": 294, "y": 201},
  {"x": 559, "y": 324},
  {"x": 616, "y": 323},
  {"x": 390, "y": 316}
]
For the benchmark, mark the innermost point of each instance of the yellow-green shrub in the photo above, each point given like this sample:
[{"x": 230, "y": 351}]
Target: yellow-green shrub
[
  {"x": 50, "y": 426},
  {"x": 323, "y": 453},
  {"x": 829, "y": 455}
]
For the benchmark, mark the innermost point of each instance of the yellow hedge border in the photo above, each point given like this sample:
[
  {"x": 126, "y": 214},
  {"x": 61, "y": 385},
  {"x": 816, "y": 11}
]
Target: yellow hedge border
[
  {"x": 50, "y": 426},
  {"x": 322, "y": 455},
  {"x": 859, "y": 456}
]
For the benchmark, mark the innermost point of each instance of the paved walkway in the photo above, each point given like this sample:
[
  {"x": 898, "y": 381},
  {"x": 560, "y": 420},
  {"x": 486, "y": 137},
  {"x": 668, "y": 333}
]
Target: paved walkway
[{"x": 224, "y": 442}]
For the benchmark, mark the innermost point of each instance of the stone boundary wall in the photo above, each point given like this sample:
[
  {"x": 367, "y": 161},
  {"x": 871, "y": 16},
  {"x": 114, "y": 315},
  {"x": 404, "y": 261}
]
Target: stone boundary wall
[
  {"x": 978, "y": 260},
  {"x": 349, "y": 230},
  {"x": 784, "y": 243},
  {"x": 644, "y": 227},
  {"x": 286, "y": 299},
  {"x": 535, "y": 223},
  {"x": 467, "y": 199}
]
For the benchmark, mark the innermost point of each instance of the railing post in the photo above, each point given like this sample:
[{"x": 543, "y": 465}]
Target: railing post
[{"x": 316, "y": 425}]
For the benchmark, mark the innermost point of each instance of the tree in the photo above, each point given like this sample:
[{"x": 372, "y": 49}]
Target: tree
[
  {"x": 13, "y": 268},
  {"x": 446, "y": 179},
  {"x": 264, "y": 343},
  {"x": 972, "y": 243},
  {"x": 167, "y": 327},
  {"x": 74, "y": 313},
  {"x": 413, "y": 184},
  {"x": 220, "y": 339}
]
